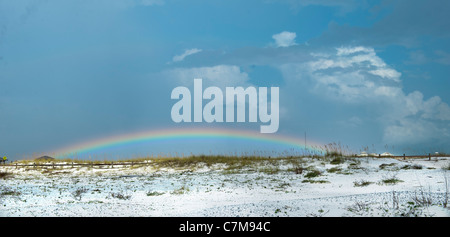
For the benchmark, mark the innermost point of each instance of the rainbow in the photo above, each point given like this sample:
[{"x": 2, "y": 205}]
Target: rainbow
[{"x": 188, "y": 134}]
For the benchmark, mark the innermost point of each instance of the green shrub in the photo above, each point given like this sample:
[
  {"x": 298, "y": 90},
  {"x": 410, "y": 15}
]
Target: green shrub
[
  {"x": 312, "y": 174},
  {"x": 392, "y": 180},
  {"x": 155, "y": 193},
  {"x": 383, "y": 166},
  {"x": 314, "y": 181},
  {"x": 361, "y": 183},
  {"x": 334, "y": 170},
  {"x": 337, "y": 160},
  {"x": 120, "y": 196}
]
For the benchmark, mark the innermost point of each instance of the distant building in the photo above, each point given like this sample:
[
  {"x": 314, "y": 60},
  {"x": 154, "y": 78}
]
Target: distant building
[
  {"x": 386, "y": 154},
  {"x": 363, "y": 154},
  {"x": 45, "y": 158}
]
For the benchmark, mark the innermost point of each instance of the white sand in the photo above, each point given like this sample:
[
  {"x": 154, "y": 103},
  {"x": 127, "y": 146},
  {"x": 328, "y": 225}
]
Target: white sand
[{"x": 212, "y": 192}]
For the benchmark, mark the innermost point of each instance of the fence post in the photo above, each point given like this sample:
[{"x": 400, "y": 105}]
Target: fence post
[
  {"x": 429, "y": 156},
  {"x": 404, "y": 156}
]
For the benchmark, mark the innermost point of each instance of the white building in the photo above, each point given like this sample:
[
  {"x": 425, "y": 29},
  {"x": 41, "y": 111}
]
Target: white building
[{"x": 363, "y": 154}]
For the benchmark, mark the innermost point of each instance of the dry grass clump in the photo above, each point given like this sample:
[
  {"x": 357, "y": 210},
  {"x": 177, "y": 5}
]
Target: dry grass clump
[
  {"x": 231, "y": 163},
  {"x": 4, "y": 175}
]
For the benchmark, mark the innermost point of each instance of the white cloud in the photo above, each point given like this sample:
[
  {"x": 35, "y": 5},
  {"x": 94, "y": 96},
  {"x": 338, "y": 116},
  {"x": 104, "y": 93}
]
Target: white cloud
[
  {"x": 358, "y": 56},
  {"x": 443, "y": 112},
  {"x": 433, "y": 108},
  {"x": 387, "y": 91},
  {"x": 285, "y": 39},
  {"x": 220, "y": 76},
  {"x": 387, "y": 73},
  {"x": 355, "y": 77},
  {"x": 342, "y": 51},
  {"x": 186, "y": 53}
]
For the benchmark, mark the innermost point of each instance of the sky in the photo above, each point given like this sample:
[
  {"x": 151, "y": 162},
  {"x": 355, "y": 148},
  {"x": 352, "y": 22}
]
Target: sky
[{"x": 370, "y": 75}]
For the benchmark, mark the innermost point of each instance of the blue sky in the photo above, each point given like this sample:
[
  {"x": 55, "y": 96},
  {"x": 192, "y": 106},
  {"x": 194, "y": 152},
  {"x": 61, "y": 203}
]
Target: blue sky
[{"x": 362, "y": 73}]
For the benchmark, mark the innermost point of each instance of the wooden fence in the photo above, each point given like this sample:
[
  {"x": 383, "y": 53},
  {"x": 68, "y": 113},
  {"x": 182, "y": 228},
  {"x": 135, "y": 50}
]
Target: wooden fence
[
  {"x": 54, "y": 165},
  {"x": 133, "y": 163}
]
